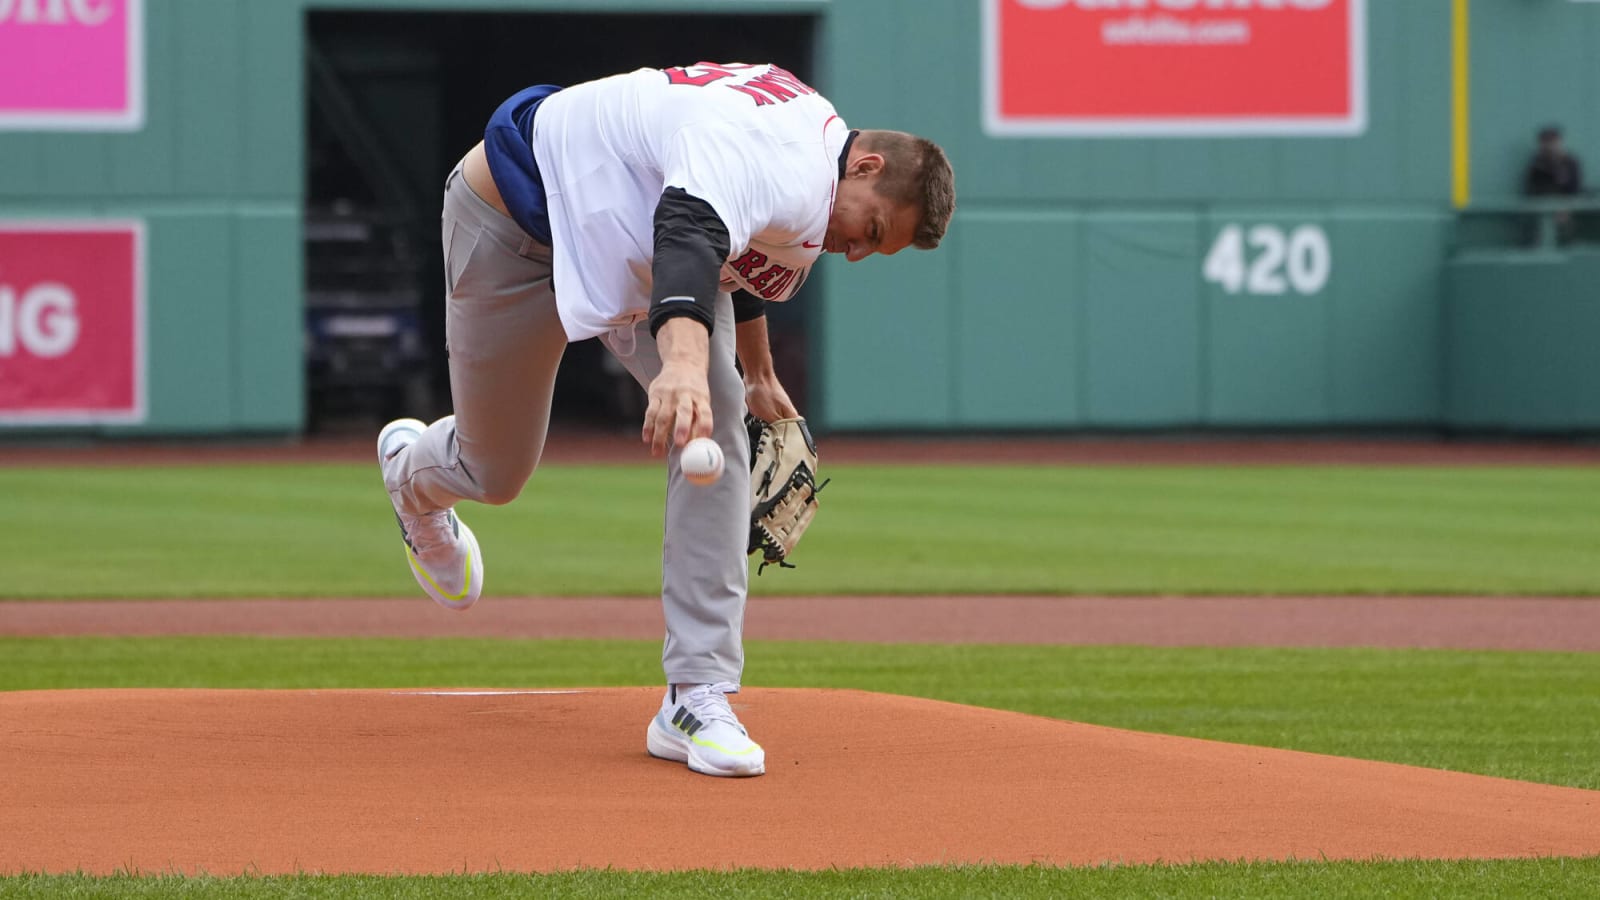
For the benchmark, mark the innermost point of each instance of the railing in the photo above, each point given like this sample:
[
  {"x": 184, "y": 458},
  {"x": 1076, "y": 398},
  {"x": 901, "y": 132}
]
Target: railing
[{"x": 1539, "y": 219}]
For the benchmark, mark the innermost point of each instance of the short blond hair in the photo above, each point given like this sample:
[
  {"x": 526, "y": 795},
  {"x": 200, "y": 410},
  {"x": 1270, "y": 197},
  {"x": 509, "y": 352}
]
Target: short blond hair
[{"x": 915, "y": 173}]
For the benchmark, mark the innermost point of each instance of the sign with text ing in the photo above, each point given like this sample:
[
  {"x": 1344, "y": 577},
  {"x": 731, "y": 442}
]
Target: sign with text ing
[
  {"x": 71, "y": 65},
  {"x": 1185, "y": 68},
  {"x": 71, "y": 323}
]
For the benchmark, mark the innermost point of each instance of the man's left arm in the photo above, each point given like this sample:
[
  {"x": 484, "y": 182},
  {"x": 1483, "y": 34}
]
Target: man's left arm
[{"x": 763, "y": 395}]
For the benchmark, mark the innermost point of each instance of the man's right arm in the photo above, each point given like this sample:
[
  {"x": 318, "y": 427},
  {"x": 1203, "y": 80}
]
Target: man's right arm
[
  {"x": 680, "y": 397},
  {"x": 690, "y": 245}
]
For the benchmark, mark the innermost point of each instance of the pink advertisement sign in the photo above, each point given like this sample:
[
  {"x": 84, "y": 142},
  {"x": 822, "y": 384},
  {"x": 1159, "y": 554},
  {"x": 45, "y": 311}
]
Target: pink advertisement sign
[
  {"x": 71, "y": 65},
  {"x": 72, "y": 330}
]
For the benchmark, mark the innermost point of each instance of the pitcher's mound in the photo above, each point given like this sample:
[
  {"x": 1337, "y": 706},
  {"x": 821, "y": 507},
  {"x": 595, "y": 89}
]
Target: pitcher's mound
[{"x": 411, "y": 781}]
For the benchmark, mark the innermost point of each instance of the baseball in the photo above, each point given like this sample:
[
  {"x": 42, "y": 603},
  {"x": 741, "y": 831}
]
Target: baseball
[{"x": 702, "y": 461}]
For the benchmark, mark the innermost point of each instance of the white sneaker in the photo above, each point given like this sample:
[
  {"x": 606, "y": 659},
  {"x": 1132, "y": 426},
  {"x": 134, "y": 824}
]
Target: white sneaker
[
  {"x": 441, "y": 548},
  {"x": 697, "y": 726}
]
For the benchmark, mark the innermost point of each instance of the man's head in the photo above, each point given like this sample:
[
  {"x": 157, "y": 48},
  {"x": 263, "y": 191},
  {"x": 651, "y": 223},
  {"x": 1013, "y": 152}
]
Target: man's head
[{"x": 898, "y": 191}]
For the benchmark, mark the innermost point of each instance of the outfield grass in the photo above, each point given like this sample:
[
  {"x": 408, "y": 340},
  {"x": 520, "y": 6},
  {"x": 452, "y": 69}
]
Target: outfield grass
[{"x": 326, "y": 530}]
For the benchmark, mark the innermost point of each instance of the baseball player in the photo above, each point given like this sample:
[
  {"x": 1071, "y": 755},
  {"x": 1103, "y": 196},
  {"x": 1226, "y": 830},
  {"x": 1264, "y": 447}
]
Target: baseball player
[{"x": 628, "y": 208}]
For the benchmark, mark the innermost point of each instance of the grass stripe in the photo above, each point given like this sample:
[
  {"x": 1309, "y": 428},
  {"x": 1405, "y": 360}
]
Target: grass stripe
[
  {"x": 326, "y": 530},
  {"x": 1437, "y": 879}
]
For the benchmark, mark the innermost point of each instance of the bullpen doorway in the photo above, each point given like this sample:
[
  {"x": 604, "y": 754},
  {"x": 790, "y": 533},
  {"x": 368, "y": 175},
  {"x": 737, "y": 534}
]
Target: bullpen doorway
[{"x": 392, "y": 101}]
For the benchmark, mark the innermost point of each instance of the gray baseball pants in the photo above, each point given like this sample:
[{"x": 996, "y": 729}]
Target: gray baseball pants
[{"x": 505, "y": 342}]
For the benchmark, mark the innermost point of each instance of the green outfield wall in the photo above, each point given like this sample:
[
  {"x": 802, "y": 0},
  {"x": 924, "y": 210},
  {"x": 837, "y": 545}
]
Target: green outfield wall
[
  {"x": 1076, "y": 293},
  {"x": 1102, "y": 282}
]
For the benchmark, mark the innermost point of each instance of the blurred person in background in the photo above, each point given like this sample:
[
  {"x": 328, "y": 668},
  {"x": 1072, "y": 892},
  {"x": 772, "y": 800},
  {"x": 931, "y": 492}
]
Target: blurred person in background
[{"x": 1554, "y": 171}]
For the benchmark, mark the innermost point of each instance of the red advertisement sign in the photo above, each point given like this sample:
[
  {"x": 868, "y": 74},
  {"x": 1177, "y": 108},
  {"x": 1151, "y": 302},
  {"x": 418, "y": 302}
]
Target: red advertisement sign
[
  {"x": 71, "y": 64},
  {"x": 71, "y": 323},
  {"x": 1175, "y": 67}
]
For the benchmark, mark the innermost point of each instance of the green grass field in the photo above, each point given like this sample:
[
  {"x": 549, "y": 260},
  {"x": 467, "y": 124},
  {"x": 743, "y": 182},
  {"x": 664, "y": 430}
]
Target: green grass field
[
  {"x": 325, "y": 530},
  {"x": 1433, "y": 879}
]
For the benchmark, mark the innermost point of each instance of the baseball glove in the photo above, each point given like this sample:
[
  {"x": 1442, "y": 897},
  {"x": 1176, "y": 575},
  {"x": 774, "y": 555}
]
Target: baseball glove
[{"x": 783, "y": 487}]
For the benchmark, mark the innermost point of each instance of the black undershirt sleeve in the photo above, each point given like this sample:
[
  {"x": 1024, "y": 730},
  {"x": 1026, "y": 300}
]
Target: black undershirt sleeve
[
  {"x": 690, "y": 245},
  {"x": 747, "y": 306}
]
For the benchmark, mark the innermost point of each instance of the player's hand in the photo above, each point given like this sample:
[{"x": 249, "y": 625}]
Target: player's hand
[
  {"x": 679, "y": 409},
  {"x": 766, "y": 399}
]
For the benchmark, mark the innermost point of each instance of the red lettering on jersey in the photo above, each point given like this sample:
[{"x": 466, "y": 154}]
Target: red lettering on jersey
[
  {"x": 788, "y": 78},
  {"x": 772, "y": 85},
  {"x": 680, "y": 75},
  {"x": 776, "y": 85},
  {"x": 775, "y": 289},
  {"x": 760, "y": 98},
  {"x": 764, "y": 278},
  {"x": 752, "y": 259}
]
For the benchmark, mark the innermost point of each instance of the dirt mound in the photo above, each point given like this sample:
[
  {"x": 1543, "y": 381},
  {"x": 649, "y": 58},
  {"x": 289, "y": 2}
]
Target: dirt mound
[{"x": 410, "y": 781}]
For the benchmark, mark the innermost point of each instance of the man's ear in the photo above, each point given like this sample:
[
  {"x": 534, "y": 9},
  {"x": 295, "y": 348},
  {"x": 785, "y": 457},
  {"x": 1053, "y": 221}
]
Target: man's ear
[{"x": 866, "y": 164}]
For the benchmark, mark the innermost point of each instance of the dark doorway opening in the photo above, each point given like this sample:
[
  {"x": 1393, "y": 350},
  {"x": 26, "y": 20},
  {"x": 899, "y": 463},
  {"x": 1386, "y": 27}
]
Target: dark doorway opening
[{"x": 394, "y": 99}]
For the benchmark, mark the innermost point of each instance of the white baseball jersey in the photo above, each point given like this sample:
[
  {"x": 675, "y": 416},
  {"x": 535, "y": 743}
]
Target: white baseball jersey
[{"x": 756, "y": 143}]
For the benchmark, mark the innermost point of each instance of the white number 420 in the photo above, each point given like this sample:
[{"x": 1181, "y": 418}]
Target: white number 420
[{"x": 1302, "y": 255}]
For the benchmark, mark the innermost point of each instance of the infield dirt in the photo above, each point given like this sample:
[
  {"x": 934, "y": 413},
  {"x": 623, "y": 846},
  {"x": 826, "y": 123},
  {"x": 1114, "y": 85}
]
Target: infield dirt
[{"x": 229, "y": 782}]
